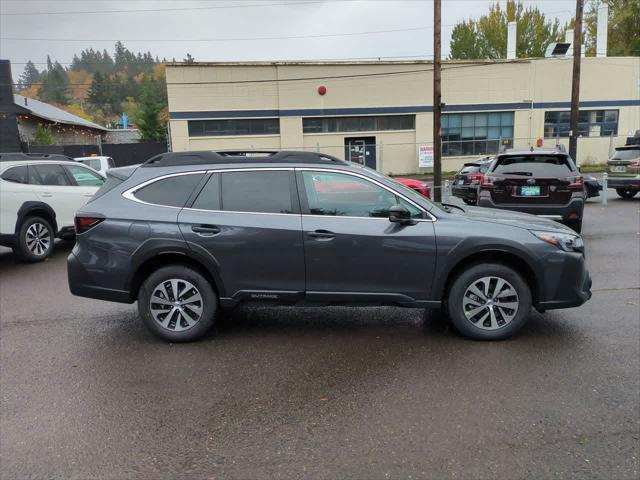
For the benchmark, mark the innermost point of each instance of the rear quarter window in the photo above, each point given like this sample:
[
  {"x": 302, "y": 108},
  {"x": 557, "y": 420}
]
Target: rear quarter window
[
  {"x": 18, "y": 174},
  {"x": 534, "y": 165},
  {"x": 171, "y": 191}
]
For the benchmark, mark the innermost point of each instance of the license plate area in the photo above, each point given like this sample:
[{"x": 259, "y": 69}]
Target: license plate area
[
  {"x": 530, "y": 191},
  {"x": 618, "y": 168}
]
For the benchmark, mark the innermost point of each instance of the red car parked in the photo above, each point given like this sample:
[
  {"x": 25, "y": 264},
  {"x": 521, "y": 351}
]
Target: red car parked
[{"x": 420, "y": 187}]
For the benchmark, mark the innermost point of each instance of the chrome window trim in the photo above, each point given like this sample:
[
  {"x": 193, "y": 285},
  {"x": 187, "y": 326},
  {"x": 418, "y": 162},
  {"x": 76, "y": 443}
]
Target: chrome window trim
[
  {"x": 130, "y": 193},
  {"x": 364, "y": 177}
]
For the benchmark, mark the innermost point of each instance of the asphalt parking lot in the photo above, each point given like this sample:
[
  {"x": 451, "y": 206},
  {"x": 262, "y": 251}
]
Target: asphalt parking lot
[{"x": 87, "y": 392}]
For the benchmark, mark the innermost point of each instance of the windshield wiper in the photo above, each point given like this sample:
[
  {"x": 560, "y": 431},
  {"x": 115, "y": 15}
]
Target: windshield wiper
[{"x": 526, "y": 174}]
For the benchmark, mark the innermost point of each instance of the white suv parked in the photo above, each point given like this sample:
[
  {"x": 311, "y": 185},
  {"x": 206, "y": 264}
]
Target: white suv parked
[
  {"x": 39, "y": 195},
  {"x": 98, "y": 163}
]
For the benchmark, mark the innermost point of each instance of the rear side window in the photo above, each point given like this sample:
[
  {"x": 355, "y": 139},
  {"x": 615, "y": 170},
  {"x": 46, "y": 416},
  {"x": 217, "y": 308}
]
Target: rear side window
[
  {"x": 209, "y": 197},
  {"x": 16, "y": 174},
  {"x": 469, "y": 169},
  {"x": 259, "y": 191},
  {"x": 48, "y": 174},
  {"x": 533, "y": 165},
  {"x": 171, "y": 191}
]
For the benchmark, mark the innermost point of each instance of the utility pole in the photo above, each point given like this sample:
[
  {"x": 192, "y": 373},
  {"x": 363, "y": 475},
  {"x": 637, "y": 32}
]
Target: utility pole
[
  {"x": 575, "y": 84},
  {"x": 437, "y": 144}
]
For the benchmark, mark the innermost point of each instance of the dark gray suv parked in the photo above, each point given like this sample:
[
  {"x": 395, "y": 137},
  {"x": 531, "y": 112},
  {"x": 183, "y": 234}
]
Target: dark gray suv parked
[{"x": 188, "y": 234}]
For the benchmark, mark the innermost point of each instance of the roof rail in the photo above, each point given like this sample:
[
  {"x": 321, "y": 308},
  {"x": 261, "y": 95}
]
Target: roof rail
[
  {"x": 239, "y": 156},
  {"x": 17, "y": 156}
]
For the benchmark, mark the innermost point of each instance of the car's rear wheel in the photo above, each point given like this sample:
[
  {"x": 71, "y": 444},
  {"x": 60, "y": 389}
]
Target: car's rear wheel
[
  {"x": 489, "y": 302},
  {"x": 469, "y": 202},
  {"x": 178, "y": 304},
  {"x": 35, "y": 239},
  {"x": 625, "y": 194}
]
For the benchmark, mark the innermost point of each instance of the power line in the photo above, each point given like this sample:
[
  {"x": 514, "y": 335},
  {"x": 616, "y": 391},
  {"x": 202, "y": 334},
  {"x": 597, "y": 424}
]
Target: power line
[
  {"x": 227, "y": 39},
  {"x": 177, "y": 9}
]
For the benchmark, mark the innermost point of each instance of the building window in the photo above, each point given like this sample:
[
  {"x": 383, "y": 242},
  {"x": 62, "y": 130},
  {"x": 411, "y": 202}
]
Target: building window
[
  {"x": 476, "y": 133},
  {"x": 591, "y": 123},
  {"x": 241, "y": 126},
  {"x": 358, "y": 124}
]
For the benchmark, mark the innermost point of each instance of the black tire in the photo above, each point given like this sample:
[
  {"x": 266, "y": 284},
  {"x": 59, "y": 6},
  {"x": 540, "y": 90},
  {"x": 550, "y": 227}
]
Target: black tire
[
  {"x": 469, "y": 202},
  {"x": 35, "y": 240},
  {"x": 575, "y": 225},
  {"x": 466, "y": 280},
  {"x": 172, "y": 332},
  {"x": 625, "y": 194}
]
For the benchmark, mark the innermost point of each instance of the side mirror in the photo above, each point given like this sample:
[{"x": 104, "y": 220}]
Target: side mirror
[{"x": 399, "y": 214}]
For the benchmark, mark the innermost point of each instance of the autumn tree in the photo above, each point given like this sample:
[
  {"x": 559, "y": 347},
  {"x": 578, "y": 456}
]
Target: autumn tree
[
  {"x": 623, "y": 29},
  {"x": 486, "y": 37}
]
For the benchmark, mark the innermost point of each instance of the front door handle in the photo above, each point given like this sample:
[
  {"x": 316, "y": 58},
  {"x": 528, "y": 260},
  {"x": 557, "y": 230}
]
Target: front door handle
[
  {"x": 47, "y": 195},
  {"x": 206, "y": 230},
  {"x": 321, "y": 234}
]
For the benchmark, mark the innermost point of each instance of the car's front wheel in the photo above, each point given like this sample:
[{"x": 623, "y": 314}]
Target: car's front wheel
[
  {"x": 177, "y": 303},
  {"x": 625, "y": 194},
  {"x": 35, "y": 240},
  {"x": 489, "y": 301}
]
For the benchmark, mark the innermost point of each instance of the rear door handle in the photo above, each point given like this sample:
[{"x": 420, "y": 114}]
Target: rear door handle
[
  {"x": 321, "y": 234},
  {"x": 47, "y": 194},
  {"x": 206, "y": 230}
]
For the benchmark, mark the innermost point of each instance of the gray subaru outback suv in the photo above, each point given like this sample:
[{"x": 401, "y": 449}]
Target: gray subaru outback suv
[{"x": 188, "y": 234}]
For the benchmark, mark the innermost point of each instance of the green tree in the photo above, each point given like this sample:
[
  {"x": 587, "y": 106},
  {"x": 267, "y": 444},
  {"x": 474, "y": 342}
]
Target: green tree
[
  {"x": 30, "y": 76},
  {"x": 147, "y": 118},
  {"x": 43, "y": 135},
  {"x": 55, "y": 84},
  {"x": 623, "y": 31},
  {"x": 486, "y": 37}
]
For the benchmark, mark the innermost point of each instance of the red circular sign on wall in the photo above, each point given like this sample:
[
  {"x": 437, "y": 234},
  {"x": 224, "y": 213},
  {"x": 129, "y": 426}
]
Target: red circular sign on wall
[{"x": 322, "y": 90}]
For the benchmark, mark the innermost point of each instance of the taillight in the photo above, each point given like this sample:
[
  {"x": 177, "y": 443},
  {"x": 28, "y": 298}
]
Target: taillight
[
  {"x": 576, "y": 183},
  {"x": 487, "y": 181},
  {"x": 635, "y": 164},
  {"x": 475, "y": 178},
  {"x": 84, "y": 223}
]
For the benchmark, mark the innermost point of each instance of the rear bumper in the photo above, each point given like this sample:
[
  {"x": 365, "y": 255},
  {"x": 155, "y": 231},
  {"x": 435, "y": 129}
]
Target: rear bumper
[
  {"x": 81, "y": 284},
  {"x": 559, "y": 212},
  {"x": 632, "y": 183},
  {"x": 470, "y": 192}
]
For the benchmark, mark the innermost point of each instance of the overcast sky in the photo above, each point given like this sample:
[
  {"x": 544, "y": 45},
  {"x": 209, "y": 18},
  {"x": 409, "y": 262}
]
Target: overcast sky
[{"x": 165, "y": 33}]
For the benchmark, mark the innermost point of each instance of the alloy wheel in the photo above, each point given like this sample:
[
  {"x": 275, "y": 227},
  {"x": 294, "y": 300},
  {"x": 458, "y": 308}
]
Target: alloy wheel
[
  {"x": 490, "y": 303},
  {"x": 176, "y": 304},
  {"x": 38, "y": 238}
]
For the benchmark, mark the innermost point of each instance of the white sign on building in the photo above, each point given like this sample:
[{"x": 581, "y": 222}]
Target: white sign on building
[{"x": 425, "y": 156}]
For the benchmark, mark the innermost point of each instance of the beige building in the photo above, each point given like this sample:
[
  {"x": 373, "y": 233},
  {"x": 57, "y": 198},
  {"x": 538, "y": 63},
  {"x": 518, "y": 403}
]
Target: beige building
[{"x": 380, "y": 113}]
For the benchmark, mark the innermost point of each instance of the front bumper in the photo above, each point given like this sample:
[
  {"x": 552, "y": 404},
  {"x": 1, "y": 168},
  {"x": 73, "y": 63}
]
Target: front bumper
[
  {"x": 631, "y": 183},
  {"x": 566, "y": 283},
  {"x": 570, "y": 211}
]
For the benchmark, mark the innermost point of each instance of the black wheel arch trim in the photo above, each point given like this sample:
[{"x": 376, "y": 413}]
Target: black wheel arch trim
[
  {"x": 29, "y": 207},
  {"x": 466, "y": 250},
  {"x": 154, "y": 248}
]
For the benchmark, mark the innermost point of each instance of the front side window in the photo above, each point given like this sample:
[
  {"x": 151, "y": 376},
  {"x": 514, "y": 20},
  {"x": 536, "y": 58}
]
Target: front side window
[
  {"x": 342, "y": 195},
  {"x": 264, "y": 191},
  {"x": 84, "y": 177},
  {"x": 16, "y": 174},
  {"x": 171, "y": 191},
  {"x": 48, "y": 174}
]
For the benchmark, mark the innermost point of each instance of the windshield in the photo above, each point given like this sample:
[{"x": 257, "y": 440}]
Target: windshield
[
  {"x": 630, "y": 154},
  {"x": 533, "y": 165}
]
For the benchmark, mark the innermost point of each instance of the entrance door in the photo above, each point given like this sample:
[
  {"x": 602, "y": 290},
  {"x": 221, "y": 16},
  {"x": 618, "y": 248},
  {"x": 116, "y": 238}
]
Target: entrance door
[{"x": 361, "y": 150}]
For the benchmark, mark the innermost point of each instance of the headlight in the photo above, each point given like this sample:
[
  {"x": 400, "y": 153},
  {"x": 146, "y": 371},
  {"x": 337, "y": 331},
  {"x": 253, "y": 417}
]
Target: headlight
[{"x": 564, "y": 241}]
